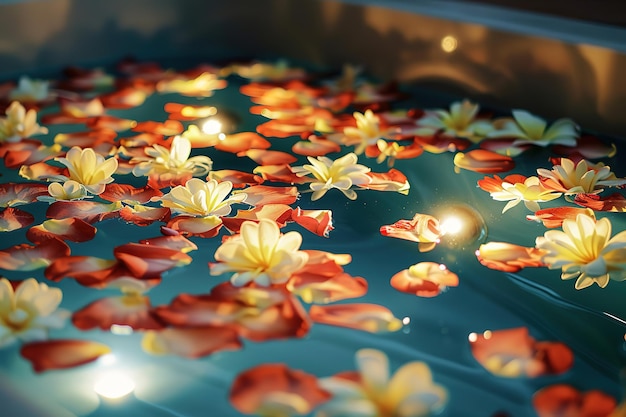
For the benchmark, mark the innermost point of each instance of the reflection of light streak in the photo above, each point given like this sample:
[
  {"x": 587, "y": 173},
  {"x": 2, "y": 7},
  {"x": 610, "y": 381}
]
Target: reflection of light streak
[{"x": 449, "y": 44}]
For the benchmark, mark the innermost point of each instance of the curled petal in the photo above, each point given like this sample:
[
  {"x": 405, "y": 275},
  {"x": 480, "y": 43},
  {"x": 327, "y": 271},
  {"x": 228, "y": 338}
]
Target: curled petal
[
  {"x": 146, "y": 261},
  {"x": 127, "y": 310},
  {"x": 494, "y": 184},
  {"x": 425, "y": 279},
  {"x": 116, "y": 124},
  {"x": 587, "y": 147},
  {"x": 16, "y": 158},
  {"x": 371, "y": 318},
  {"x": 196, "y": 226},
  {"x": 194, "y": 342},
  {"x": 315, "y": 147},
  {"x": 128, "y": 194},
  {"x": 270, "y": 389},
  {"x": 172, "y": 241},
  {"x": 612, "y": 203},
  {"x": 279, "y": 213},
  {"x": 86, "y": 139},
  {"x": 16, "y": 194},
  {"x": 145, "y": 216},
  {"x": 280, "y": 173},
  {"x": 509, "y": 257},
  {"x": 12, "y": 219},
  {"x": 483, "y": 161},
  {"x": 75, "y": 230},
  {"x": 423, "y": 229},
  {"x": 561, "y": 400},
  {"x": 320, "y": 289},
  {"x": 242, "y": 142},
  {"x": 319, "y": 222},
  {"x": 28, "y": 258},
  {"x": 393, "y": 180},
  {"x": 62, "y": 354}
]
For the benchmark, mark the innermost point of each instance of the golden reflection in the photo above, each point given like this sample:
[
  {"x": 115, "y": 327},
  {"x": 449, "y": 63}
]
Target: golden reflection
[
  {"x": 460, "y": 225},
  {"x": 449, "y": 44}
]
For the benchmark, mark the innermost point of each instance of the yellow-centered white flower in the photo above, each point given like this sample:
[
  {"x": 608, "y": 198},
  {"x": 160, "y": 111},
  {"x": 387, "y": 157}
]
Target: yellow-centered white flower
[
  {"x": 19, "y": 124},
  {"x": 28, "y": 312},
  {"x": 460, "y": 122},
  {"x": 341, "y": 174},
  {"x": 175, "y": 160},
  {"x": 530, "y": 129},
  {"x": 582, "y": 177},
  {"x": 366, "y": 133},
  {"x": 68, "y": 191},
  {"x": 202, "y": 199},
  {"x": 531, "y": 192},
  {"x": 88, "y": 168},
  {"x": 410, "y": 392},
  {"x": 586, "y": 251},
  {"x": 260, "y": 254}
]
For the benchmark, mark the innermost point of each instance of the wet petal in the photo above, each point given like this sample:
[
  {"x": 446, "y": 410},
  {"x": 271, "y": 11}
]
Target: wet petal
[
  {"x": 265, "y": 157},
  {"x": 259, "y": 195},
  {"x": 12, "y": 219},
  {"x": 613, "y": 203},
  {"x": 62, "y": 354},
  {"x": 561, "y": 400},
  {"x": 319, "y": 222},
  {"x": 167, "y": 128},
  {"x": 75, "y": 230},
  {"x": 145, "y": 261},
  {"x": 127, "y": 310},
  {"x": 508, "y": 257},
  {"x": 239, "y": 179},
  {"x": 483, "y": 161},
  {"x": 130, "y": 195},
  {"x": 425, "y": 279},
  {"x": 28, "y": 258},
  {"x": 242, "y": 142},
  {"x": 195, "y": 342},
  {"x": 89, "y": 211},
  {"x": 371, "y": 318}
]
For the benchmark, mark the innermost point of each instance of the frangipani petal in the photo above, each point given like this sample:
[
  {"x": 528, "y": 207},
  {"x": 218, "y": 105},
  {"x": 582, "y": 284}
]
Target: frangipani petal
[{"x": 424, "y": 279}]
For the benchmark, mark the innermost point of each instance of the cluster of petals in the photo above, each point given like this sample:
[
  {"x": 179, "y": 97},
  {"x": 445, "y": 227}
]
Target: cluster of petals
[
  {"x": 516, "y": 189},
  {"x": 19, "y": 124},
  {"x": 86, "y": 168},
  {"x": 583, "y": 177},
  {"x": 584, "y": 250},
  {"x": 460, "y": 121}
]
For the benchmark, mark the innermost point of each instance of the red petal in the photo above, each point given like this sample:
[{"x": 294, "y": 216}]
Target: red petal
[
  {"x": 15, "y": 194},
  {"x": 561, "y": 400},
  {"x": 252, "y": 388},
  {"x": 239, "y": 179},
  {"x": 483, "y": 161},
  {"x": 62, "y": 354},
  {"x": 494, "y": 184},
  {"x": 167, "y": 128},
  {"x": 316, "y": 221},
  {"x": 171, "y": 241},
  {"x": 127, "y": 310},
  {"x": 28, "y": 156},
  {"x": 40, "y": 171},
  {"x": 75, "y": 230},
  {"x": 371, "y": 318},
  {"x": 280, "y": 173},
  {"x": 260, "y": 195},
  {"x": 147, "y": 261},
  {"x": 85, "y": 268},
  {"x": 508, "y": 257},
  {"x": 392, "y": 180},
  {"x": 188, "y": 112},
  {"x": 553, "y": 217},
  {"x": 242, "y": 142},
  {"x": 13, "y": 219},
  {"x": 195, "y": 226},
  {"x": 28, "y": 258},
  {"x": 265, "y": 157},
  {"x": 587, "y": 147},
  {"x": 280, "y": 213},
  {"x": 194, "y": 342},
  {"x": 89, "y": 211},
  {"x": 614, "y": 202},
  {"x": 130, "y": 195}
]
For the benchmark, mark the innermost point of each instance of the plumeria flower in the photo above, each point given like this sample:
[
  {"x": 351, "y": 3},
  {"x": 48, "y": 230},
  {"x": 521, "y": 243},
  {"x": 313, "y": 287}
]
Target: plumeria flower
[
  {"x": 202, "y": 199},
  {"x": 586, "y": 251},
  {"x": 531, "y": 192},
  {"x": 366, "y": 133},
  {"x": 388, "y": 150},
  {"x": 19, "y": 124},
  {"x": 460, "y": 122},
  {"x": 87, "y": 168},
  {"x": 28, "y": 312},
  {"x": 410, "y": 392},
  {"x": 70, "y": 190},
  {"x": 29, "y": 90},
  {"x": 580, "y": 178},
  {"x": 530, "y": 129},
  {"x": 260, "y": 254},
  {"x": 175, "y": 160},
  {"x": 341, "y": 173}
]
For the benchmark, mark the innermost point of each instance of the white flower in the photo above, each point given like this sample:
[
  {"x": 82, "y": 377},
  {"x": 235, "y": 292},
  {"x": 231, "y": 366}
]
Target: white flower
[
  {"x": 88, "y": 169},
  {"x": 68, "y": 191},
  {"x": 531, "y": 192},
  {"x": 410, "y": 392},
  {"x": 582, "y": 177},
  {"x": 530, "y": 129},
  {"x": 29, "y": 90},
  {"x": 260, "y": 253},
  {"x": 459, "y": 122},
  {"x": 202, "y": 199},
  {"x": 175, "y": 160},
  {"x": 366, "y": 133},
  {"x": 19, "y": 124},
  {"x": 585, "y": 250},
  {"x": 341, "y": 173},
  {"x": 29, "y": 311}
]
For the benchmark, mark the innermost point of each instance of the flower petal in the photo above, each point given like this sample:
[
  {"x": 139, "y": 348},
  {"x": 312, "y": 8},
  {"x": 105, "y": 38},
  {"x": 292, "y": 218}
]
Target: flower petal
[
  {"x": 62, "y": 354},
  {"x": 371, "y": 318}
]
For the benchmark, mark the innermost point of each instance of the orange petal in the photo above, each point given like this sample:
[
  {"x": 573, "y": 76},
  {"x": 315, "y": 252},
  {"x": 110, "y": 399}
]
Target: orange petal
[
  {"x": 280, "y": 213},
  {"x": 89, "y": 211},
  {"x": 613, "y": 203},
  {"x": 28, "y": 258},
  {"x": 86, "y": 268},
  {"x": 484, "y": 161},
  {"x": 146, "y": 261},
  {"x": 13, "y": 219},
  {"x": 167, "y": 128},
  {"x": 125, "y": 98},
  {"x": 116, "y": 124},
  {"x": 316, "y": 288},
  {"x": 423, "y": 229},
  {"x": 62, "y": 354},
  {"x": 195, "y": 226},
  {"x": 319, "y": 222},
  {"x": 265, "y": 157},
  {"x": 259, "y": 195},
  {"x": 494, "y": 184},
  {"x": 194, "y": 342},
  {"x": 393, "y": 180},
  {"x": 508, "y": 257},
  {"x": 371, "y": 318},
  {"x": 315, "y": 147},
  {"x": 425, "y": 279},
  {"x": 561, "y": 400},
  {"x": 15, "y": 194},
  {"x": 553, "y": 217},
  {"x": 129, "y": 194},
  {"x": 145, "y": 217},
  {"x": 239, "y": 179},
  {"x": 28, "y": 156},
  {"x": 242, "y": 142},
  {"x": 85, "y": 139},
  {"x": 280, "y": 173},
  {"x": 127, "y": 310},
  {"x": 75, "y": 230},
  {"x": 253, "y": 389},
  {"x": 188, "y": 112}
]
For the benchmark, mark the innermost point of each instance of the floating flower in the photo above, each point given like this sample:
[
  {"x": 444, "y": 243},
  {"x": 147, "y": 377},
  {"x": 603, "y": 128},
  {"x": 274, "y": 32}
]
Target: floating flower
[
  {"x": 585, "y": 250},
  {"x": 29, "y": 90},
  {"x": 62, "y": 354},
  {"x": 373, "y": 392},
  {"x": 423, "y": 229},
  {"x": 19, "y": 124},
  {"x": 424, "y": 279},
  {"x": 483, "y": 161},
  {"x": 70, "y": 190},
  {"x": 530, "y": 191},
  {"x": 508, "y": 257},
  {"x": 88, "y": 169},
  {"x": 260, "y": 253},
  {"x": 29, "y": 311},
  {"x": 366, "y": 133},
  {"x": 530, "y": 129},
  {"x": 460, "y": 121},
  {"x": 175, "y": 161},
  {"x": 580, "y": 178},
  {"x": 341, "y": 173}
]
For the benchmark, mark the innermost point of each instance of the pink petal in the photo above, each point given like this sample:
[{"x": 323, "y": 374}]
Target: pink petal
[
  {"x": 239, "y": 179},
  {"x": 265, "y": 157},
  {"x": 484, "y": 161},
  {"x": 130, "y": 195},
  {"x": 251, "y": 388},
  {"x": 242, "y": 142},
  {"x": 127, "y": 310},
  {"x": 371, "y": 318},
  {"x": 316, "y": 221},
  {"x": 89, "y": 211},
  {"x": 553, "y": 217},
  {"x": 62, "y": 354},
  {"x": 167, "y": 128},
  {"x": 13, "y": 219},
  {"x": 439, "y": 143},
  {"x": 28, "y": 258},
  {"x": 194, "y": 342},
  {"x": 259, "y": 195},
  {"x": 509, "y": 257},
  {"x": 147, "y": 261},
  {"x": 15, "y": 194},
  {"x": 73, "y": 229}
]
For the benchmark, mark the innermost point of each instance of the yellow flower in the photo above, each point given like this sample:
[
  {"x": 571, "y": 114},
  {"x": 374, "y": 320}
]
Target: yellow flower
[
  {"x": 459, "y": 122},
  {"x": 29, "y": 311},
  {"x": 68, "y": 191},
  {"x": 530, "y": 129},
  {"x": 531, "y": 192},
  {"x": 260, "y": 254},
  {"x": 585, "y": 250},
  {"x": 202, "y": 86},
  {"x": 19, "y": 124},
  {"x": 410, "y": 392},
  {"x": 88, "y": 169},
  {"x": 341, "y": 173},
  {"x": 29, "y": 90},
  {"x": 582, "y": 177},
  {"x": 388, "y": 150},
  {"x": 366, "y": 133},
  {"x": 202, "y": 199},
  {"x": 175, "y": 160}
]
